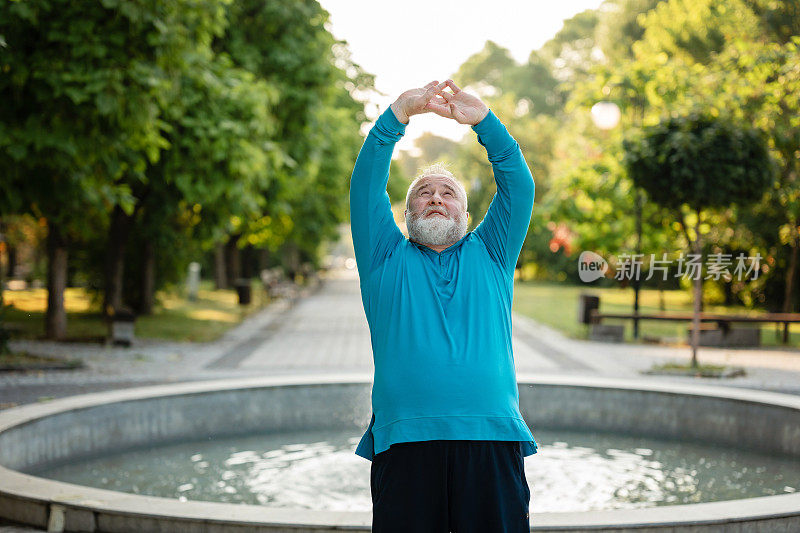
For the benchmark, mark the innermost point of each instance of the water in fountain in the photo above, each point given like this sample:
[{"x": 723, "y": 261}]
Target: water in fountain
[{"x": 318, "y": 470}]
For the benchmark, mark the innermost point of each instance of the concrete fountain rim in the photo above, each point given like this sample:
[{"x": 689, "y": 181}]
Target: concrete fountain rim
[{"x": 19, "y": 488}]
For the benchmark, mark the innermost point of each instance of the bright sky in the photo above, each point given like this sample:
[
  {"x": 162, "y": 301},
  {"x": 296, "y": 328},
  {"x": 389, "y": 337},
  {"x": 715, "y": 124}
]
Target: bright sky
[{"x": 407, "y": 44}]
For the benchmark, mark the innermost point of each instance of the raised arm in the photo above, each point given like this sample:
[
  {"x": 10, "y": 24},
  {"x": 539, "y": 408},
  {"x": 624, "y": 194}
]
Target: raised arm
[
  {"x": 505, "y": 225},
  {"x": 374, "y": 232}
]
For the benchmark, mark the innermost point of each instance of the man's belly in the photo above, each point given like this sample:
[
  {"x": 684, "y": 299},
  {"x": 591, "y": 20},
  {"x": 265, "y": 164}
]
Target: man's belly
[{"x": 435, "y": 389}]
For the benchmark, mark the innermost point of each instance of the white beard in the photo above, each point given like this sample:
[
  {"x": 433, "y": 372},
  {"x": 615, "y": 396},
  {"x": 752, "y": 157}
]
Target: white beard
[{"x": 436, "y": 231}]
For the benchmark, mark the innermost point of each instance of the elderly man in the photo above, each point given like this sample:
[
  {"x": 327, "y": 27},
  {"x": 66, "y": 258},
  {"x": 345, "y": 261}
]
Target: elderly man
[{"x": 446, "y": 439}]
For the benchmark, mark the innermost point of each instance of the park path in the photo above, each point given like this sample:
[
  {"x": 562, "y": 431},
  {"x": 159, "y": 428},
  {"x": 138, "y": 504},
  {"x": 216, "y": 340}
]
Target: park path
[
  {"x": 325, "y": 330},
  {"x": 328, "y": 332}
]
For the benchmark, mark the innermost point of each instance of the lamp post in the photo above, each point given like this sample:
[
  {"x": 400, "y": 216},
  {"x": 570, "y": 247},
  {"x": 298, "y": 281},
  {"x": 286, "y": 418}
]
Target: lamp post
[{"x": 606, "y": 116}]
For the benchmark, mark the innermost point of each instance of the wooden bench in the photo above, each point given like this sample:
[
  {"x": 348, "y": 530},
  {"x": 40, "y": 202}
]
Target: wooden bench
[{"x": 723, "y": 321}]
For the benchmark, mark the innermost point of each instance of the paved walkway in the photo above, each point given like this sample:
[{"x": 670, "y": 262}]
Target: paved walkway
[{"x": 325, "y": 330}]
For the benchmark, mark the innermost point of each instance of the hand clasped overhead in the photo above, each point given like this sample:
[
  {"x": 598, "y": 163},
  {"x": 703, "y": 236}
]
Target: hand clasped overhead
[{"x": 433, "y": 98}]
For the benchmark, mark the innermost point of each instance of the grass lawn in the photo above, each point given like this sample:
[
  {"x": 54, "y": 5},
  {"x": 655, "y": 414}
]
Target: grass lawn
[
  {"x": 26, "y": 361},
  {"x": 556, "y": 305},
  {"x": 175, "y": 317}
]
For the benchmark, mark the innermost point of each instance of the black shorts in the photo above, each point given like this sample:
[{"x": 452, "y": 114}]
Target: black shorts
[{"x": 442, "y": 486}]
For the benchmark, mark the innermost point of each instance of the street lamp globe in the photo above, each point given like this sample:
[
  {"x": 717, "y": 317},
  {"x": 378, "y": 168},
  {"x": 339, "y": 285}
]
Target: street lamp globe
[{"x": 605, "y": 115}]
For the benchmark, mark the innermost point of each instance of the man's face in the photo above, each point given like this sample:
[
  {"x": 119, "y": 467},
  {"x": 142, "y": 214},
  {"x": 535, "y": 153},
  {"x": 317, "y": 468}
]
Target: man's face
[
  {"x": 433, "y": 191},
  {"x": 436, "y": 214}
]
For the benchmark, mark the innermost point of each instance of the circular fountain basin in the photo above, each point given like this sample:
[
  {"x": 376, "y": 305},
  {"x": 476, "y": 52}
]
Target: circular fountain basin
[{"x": 81, "y": 427}]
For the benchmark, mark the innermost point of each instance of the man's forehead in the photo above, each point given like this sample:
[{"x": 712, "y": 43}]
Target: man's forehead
[{"x": 436, "y": 179}]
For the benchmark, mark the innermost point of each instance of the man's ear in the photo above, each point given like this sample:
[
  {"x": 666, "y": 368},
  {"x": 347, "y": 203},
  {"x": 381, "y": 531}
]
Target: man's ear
[{"x": 467, "y": 216}]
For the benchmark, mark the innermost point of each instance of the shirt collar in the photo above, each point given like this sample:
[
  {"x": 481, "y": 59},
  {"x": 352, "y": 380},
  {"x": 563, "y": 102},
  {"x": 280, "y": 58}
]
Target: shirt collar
[{"x": 450, "y": 249}]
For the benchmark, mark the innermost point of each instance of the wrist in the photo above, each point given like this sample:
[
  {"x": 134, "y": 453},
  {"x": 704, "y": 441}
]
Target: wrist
[
  {"x": 398, "y": 113},
  {"x": 481, "y": 116}
]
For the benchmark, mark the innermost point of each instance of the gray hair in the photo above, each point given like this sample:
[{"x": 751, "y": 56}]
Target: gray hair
[{"x": 436, "y": 169}]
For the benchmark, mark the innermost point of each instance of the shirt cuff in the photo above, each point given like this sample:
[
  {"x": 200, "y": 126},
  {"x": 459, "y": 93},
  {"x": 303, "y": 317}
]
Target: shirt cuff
[
  {"x": 388, "y": 128},
  {"x": 492, "y": 134}
]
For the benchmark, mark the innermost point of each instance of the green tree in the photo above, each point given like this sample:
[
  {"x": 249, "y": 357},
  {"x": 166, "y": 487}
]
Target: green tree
[
  {"x": 221, "y": 156},
  {"x": 619, "y": 26},
  {"x": 527, "y": 99},
  {"x": 82, "y": 85},
  {"x": 493, "y": 72},
  {"x": 399, "y": 181},
  {"x": 739, "y": 58},
  {"x": 572, "y": 52},
  {"x": 287, "y": 45},
  {"x": 762, "y": 86},
  {"x": 429, "y": 148},
  {"x": 692, "y": 164}
]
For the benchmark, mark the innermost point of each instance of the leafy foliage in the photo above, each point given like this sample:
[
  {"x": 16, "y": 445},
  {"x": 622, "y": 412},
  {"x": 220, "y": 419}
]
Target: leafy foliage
[
  {"x": 317, "y": 120},
  {"x": 175, "y": 125},
  {"x": 699, "y": 160}
]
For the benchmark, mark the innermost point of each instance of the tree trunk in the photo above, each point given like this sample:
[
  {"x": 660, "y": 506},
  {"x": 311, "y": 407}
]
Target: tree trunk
[
  {"x": 702, "y": 303},
  {"x": 220, "y": 275},
  {"x": 115, "y": 260},
  {"x": 148, "y": 287},
  {"x": 698, "y": 295},
  {"x": 292, "y": 255},
  {"x": 2, "y": 285},
  {"x": 56, "y": 317},
  {"x": 12, "y": 261},
  {"x": 636, "y": 281},
  {"x": 232, "y": 260},
  {"x": 263, "y": 259},
  {"x": 727, "y": 290},
  {"x": 788, "y": 293},
  {"x": 247, "y": 259}
]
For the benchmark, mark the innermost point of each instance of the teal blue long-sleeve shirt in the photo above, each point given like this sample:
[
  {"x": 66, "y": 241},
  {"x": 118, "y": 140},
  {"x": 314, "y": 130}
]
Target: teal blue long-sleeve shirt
[{"x": 440, "y": 323}]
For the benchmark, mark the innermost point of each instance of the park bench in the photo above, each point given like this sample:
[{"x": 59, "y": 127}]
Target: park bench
[
  {"x": 722, "y": 321},
  {"x": 716, "y": 328}
]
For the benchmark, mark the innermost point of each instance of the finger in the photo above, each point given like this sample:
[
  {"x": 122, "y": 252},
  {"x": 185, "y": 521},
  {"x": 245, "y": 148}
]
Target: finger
[
  {"x": 441, "y": 110},
  {"x": 452, "y": 85},
  {"x": 431, "y": 92},
  {"x": 439, "y": 100},
  {"x": 431, "y": 84},
  {"x": 446, "y": 95},
  {"x": 438, "y": 106}
]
